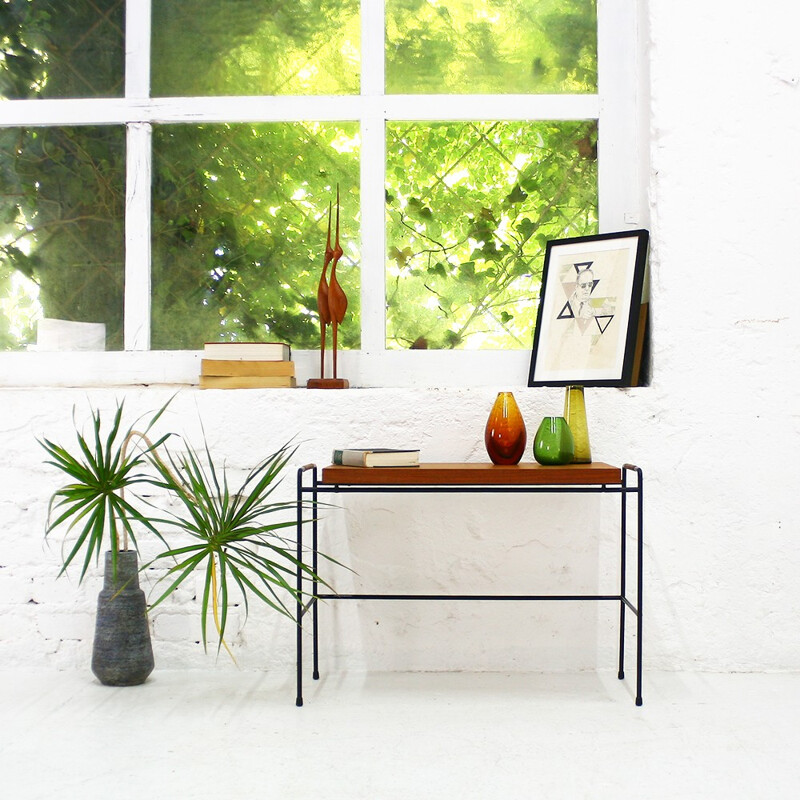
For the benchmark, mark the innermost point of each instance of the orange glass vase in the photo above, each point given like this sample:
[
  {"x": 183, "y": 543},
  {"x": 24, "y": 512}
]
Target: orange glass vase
[{"x": 505, "y": 435}]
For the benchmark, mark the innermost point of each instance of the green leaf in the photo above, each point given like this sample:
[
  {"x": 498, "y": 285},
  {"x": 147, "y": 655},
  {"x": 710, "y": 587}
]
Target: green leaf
[
  {"x": 93, "y": 503},
  {"x": 515, "y": 196},
  {"x": 525, "y": 227},
  {"x": 466, "y": 270}
]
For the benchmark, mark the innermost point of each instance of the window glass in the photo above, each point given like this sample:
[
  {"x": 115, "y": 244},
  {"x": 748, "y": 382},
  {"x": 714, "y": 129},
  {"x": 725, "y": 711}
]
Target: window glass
[
  {"x": 240, "y": 215},
  {"x": 491, "y": 46},
  {"x": 58, "y": 49},
  {"x": 470, "y": 207},
  {"x": 239, "y": 210},
  {"x": 62, "y": 203},
  {"x": 255, "y": 47}
]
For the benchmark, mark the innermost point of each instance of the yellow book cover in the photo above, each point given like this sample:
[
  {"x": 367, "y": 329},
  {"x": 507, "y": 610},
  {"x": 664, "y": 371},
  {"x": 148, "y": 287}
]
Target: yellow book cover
[
  {"x": 247, "y": 382},
  {"x": 211, "y": 366}
]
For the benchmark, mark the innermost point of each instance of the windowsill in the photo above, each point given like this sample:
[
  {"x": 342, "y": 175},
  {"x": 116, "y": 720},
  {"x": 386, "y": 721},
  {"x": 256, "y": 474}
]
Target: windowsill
[
  {"x": 406, "y": 369},
  {"x": 386, "y": 369}
]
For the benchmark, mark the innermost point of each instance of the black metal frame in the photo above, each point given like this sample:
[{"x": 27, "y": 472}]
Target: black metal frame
[
  {"x": 632, "y": 303},
  {"x": 623, "y": 489}
]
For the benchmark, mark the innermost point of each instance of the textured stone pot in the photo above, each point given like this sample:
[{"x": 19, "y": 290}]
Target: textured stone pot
[{"x": 123, "y": 654}]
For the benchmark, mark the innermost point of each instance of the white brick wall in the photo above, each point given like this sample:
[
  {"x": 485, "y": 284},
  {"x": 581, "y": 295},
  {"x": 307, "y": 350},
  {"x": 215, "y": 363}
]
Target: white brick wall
[
  {"x": 450, "y": 544},
  {"x": 717, "y": 433}
]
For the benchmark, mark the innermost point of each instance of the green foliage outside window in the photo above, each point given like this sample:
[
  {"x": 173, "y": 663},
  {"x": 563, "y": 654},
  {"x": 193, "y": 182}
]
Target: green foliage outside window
[
  {"x": 491, "y": 46},
  {"x": 239, "y": 227},
  {"x": 240, "y": 210},
  {"x": 62, "y": 201},
  {"x": 255, "y": 47},
  {"x": 58, "y": 49},
  {"x": 470, "y": 207}
]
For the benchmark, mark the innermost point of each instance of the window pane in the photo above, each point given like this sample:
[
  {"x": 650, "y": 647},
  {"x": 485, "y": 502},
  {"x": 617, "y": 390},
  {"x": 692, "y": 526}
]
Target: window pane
[
  {"x": 255, "y": 47},
  {"x": 62, "y": 198},
  {"x": 470, "y": 207},
  {"x": 491, "y": 46},
  {"x": 55, "y": 49},
  {"x": 240, "y": 220}
]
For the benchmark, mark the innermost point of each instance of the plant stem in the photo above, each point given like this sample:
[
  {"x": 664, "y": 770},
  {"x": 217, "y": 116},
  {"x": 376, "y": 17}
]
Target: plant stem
[
  {"x": 215, "y": 606},
  {"x": 152, "y": 449}
]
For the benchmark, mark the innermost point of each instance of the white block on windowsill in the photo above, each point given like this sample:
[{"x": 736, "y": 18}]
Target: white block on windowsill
[{"x": 62, "y": 334}]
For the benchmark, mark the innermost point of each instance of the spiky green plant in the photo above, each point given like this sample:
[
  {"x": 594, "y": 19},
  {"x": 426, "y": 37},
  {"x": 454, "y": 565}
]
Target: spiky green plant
[
  {"x": 101, "y": 470},
  {"x": 235, "y": 535}
]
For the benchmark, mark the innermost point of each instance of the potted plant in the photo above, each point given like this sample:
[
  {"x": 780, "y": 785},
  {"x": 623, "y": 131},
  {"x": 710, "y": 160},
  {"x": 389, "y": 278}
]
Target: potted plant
[
  {"x": 233, "y": 536},
  {"x": 94, "y": 506}
]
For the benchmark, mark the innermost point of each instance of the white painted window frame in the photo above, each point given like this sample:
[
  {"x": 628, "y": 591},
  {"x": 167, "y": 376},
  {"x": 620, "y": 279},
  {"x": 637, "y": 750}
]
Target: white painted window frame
[{"x": 619, "y": 106}]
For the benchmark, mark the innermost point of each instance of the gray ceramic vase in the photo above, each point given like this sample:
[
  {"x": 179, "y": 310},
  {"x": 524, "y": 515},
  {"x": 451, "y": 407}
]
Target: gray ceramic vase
[{"x": 123, "y": 654}]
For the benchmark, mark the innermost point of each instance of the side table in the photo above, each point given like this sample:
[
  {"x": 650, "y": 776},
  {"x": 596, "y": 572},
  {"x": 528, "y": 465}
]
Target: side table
[{"x": 595, "y": 478}]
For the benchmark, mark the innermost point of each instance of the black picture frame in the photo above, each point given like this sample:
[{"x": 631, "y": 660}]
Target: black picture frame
[{"x": 590, "y": 321}]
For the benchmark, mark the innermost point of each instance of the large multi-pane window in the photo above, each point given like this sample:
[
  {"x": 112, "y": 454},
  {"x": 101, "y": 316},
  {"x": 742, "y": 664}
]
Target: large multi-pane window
[{"x": 169, "y": 168}]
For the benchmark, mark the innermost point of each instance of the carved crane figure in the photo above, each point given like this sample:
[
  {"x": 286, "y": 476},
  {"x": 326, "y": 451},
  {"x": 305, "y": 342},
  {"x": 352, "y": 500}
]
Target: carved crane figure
[
  {"x": 322, "y": 299},
  {"x": 337, "y": 299}
]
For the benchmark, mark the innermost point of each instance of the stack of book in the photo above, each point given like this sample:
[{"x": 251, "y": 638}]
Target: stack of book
[{"x": 246, "y": 365}]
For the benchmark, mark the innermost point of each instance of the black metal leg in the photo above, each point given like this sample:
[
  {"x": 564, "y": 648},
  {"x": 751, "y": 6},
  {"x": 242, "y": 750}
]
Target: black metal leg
[
  {"x": 299, "y": 701},
  {"x": 623, "y": 569},
  {"x": 638, "y": 608},
  {"x": 315, "y": 585},
  {"x": 299, "y": 607},
  {"x": 639, "y": 587}
]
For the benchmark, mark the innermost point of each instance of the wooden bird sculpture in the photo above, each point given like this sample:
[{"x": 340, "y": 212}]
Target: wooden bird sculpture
[
  {"x": 322, "y": 299},
  {"x": 337, "y": 299}
]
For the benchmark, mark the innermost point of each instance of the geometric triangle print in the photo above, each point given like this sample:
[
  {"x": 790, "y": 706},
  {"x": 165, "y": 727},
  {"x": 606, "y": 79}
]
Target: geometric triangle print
[
  {"x": 569, "y": 287},
  {"x": 604, "y": 321},
  {"x": 566, "y": 312}
]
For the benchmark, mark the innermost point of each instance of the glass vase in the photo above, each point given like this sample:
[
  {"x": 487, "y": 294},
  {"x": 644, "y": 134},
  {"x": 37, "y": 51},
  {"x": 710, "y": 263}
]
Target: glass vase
[
  {"x": 505, "y": 434},
  {"x": 553, "y": 445},
  {"x": 575, "y": 414}
]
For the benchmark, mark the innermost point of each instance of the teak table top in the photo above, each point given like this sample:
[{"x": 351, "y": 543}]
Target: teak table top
[{"x": 594, "y": 474}]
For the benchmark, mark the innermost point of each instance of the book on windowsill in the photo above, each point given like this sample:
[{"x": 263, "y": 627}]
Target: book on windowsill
[
  {"x": 244, "y": 367},
  {"x": 376, "y": 457},
  {"x": 247, "y": 382},
  {"x": 247, "y": 351}
]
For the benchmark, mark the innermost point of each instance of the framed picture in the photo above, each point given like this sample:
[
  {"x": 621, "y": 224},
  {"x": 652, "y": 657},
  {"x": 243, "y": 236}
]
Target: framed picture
[{"x": 589, "y": 311}]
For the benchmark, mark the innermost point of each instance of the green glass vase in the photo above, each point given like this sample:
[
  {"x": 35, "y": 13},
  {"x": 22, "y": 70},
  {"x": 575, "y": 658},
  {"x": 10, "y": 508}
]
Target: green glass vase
[
  {"x": 575, "y": 415},
  {"x": 553, "y": 444}
]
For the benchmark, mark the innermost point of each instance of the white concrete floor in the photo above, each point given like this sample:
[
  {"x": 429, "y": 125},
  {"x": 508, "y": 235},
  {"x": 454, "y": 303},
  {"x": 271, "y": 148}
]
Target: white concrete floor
[{"x": 410, "y": 736}]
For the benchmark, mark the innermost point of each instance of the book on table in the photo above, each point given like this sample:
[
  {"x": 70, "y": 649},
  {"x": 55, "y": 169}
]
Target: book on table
[
  {"x": 247, "y": 351},
  {"x": 375, "y": 457},
  {"x": 247, "y": 381}
]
